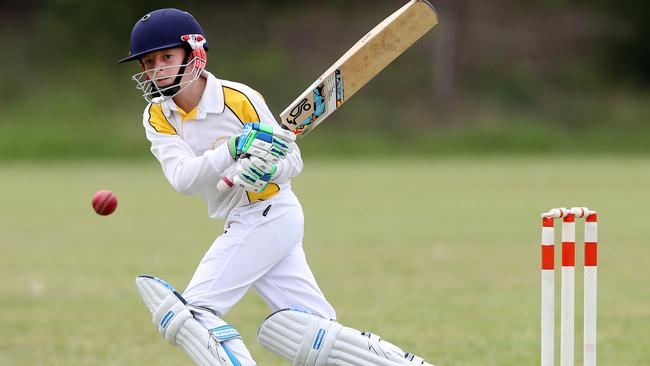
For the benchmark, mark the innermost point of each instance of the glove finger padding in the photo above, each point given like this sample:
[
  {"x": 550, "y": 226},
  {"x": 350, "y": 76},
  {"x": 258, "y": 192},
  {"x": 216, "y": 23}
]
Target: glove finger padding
[
  {"x": 256, "y": 168},
  {"x": 253, "y": 173},
  {"x": 258, "y": 144},
  {"x": 266, "y": 141},
  {"x": 263, "y": 165},
  {"x": 268, "y": 147},
  {"x": 248, "y": 171},
  {"x": 280, "y": 149},
  {"x": 257, "y": 186},
  {"x": 283, "y": 134}
]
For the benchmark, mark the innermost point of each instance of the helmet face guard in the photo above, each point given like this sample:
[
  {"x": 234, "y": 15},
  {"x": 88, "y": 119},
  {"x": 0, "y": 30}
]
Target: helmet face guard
[
  {"x": 147, "y": 80},
  {"x": 164, "y": 29},
  {"x": 152, "y": 93}
]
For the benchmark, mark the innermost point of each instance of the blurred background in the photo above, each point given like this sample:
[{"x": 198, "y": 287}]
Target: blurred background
[{"x": 502, "y": 76}]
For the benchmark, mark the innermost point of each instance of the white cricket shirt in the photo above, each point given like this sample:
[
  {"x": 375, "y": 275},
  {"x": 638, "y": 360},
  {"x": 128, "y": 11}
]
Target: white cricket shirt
[{"x": 192, "y": 146}]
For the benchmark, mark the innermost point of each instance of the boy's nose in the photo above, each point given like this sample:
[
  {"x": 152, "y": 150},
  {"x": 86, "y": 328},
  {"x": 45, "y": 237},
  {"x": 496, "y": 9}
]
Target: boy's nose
[{"x": 157, "y": 63}]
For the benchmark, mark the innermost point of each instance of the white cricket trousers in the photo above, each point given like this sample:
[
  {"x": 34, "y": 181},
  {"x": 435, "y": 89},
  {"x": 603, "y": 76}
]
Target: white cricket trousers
[{"x": 260, "y": 247}]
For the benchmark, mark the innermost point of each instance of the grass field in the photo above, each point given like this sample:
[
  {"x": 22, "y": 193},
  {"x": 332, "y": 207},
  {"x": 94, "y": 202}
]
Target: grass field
[{"x": 439, "y": 256}]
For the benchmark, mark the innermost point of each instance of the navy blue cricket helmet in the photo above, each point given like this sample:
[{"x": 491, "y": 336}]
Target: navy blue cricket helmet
[{"x": 162, "y": 29}]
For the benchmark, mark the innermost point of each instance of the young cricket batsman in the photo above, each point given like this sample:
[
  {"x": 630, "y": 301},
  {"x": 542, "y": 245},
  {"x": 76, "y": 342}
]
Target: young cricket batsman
[{"x": 202, "y": 129}]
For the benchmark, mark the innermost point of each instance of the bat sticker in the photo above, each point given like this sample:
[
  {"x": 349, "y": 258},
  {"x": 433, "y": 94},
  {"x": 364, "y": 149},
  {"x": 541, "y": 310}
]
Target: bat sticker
[
  {"x": 298, "y": 110},
  {"x": 304, "y": 105},
  {"x": 339, "y": 87}
]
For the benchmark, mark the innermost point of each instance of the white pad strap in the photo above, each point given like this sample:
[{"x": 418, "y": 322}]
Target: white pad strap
[
  {"x": 175, "y": 322},
  {"x": 170, "y": 317},
  {"x": 308, "y": 339}
]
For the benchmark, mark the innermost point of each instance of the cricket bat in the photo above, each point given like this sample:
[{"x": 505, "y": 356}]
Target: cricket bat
[{"x": 371, "y": 54}]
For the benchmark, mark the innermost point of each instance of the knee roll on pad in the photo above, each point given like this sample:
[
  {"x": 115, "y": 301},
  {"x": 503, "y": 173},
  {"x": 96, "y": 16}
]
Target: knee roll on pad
[
  {"x": 173, "y": 318},
  {"x": 308, "y": 339}
]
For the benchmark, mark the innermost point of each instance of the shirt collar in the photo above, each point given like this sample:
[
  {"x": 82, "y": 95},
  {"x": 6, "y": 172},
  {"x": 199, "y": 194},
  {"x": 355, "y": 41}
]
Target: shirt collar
[{"x": 212, "y": 100}]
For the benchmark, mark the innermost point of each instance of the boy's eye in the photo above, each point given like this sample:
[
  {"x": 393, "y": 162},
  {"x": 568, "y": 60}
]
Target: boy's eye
[
  {"x": 146, "y": 62},
  {"x": 167, "y": 57}
]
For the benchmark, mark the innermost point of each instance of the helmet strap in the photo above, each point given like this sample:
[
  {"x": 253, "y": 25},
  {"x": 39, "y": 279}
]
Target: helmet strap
[{"x": 193, "y": 49}]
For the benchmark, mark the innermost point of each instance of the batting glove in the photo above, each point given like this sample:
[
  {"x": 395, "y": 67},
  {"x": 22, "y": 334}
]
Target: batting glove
[
  {"x": 253, "y": 174},
  {"x": 265, "y": 141}
]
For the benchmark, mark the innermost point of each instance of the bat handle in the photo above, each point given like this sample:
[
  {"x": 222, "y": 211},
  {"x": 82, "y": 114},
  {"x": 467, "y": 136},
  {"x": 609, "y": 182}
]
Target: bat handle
[
  {"x": 228, "y": 181},
  {"x": 225, "y": 183}
]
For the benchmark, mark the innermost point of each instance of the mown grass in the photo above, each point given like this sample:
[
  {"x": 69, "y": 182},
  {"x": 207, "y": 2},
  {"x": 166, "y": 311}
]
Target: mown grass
[{"x": 439, "y": 256}]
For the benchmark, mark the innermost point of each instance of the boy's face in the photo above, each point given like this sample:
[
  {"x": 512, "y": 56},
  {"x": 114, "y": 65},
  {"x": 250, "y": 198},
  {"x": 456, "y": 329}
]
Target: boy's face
[{"x": 163, "y": 66}]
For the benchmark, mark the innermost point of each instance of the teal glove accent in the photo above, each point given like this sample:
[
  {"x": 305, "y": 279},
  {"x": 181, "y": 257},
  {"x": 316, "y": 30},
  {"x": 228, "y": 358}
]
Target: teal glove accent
[
  {"x": 269, "y": 176},
  {"x": 265, "y": 141},
  {"x": 232, "y": 147}
]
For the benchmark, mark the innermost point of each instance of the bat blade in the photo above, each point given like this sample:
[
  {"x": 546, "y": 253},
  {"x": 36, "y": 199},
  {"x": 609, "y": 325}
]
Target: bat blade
[{"x": 376, "y": 50}]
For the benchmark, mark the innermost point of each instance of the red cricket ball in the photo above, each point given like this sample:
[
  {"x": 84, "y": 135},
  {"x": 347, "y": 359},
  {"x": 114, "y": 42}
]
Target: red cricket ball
[{"x": 104, "y": 202}]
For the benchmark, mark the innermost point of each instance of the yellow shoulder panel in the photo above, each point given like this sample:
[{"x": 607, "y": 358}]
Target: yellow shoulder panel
[
  {"x": 271, "y": 190},
  {"x": 159, "y": 122},
  {"x": 240, "y": 105}
]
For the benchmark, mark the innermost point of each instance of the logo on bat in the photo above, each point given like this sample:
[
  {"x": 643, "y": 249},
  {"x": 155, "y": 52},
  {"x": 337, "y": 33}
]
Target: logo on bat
[
  {"x": 298, "y": 110},
  {"x": 304, "y": 106}
]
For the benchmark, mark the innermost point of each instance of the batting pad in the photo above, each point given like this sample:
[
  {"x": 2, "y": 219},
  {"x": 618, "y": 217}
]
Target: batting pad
[
  {"x": 177, "y": 325},
  {"x": 310, "y": 340}
]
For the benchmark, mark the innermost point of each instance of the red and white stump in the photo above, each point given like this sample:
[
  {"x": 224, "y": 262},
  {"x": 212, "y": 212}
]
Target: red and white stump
[{"x": 567, "y": 300}]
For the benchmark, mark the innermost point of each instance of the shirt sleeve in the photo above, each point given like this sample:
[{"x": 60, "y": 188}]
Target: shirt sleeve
[
  {"x": 292, "y": 165},
  {"x": 188, "y": 174}
]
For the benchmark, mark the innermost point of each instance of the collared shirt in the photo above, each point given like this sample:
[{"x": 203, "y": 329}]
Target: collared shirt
[{"x": 192, "y": 148}]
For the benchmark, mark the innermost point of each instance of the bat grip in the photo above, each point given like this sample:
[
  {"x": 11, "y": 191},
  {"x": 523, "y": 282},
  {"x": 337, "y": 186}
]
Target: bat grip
[
  {"x": 228, "y": 180},
  {"x": 225, "y": 183}
]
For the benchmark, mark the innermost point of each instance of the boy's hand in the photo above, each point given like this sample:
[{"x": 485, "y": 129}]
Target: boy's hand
[
  {"x": 253, "y": 174},
  {"x": 265, "y": 141}
]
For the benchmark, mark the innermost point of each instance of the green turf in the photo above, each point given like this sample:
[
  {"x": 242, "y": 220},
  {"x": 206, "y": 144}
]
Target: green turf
[{"x": 439, "y": 256}]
